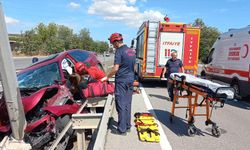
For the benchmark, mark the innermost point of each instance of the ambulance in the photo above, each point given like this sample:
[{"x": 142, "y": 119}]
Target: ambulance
[
  {"x": 229, "y": 60},
  {"x": 155, "y": 41}
]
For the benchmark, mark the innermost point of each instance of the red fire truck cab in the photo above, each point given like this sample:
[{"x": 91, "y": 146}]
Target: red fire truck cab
[{"x": 156, "y": 41}]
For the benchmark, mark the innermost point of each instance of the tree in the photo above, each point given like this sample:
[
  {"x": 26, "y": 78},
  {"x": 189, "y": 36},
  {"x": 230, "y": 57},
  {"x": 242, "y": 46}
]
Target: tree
[
  {"x": 75, "y": 42},
  {"x": 42, "y": 34},
  {"x": 66, "y": 35},
  {"x": 101, "y": 46},
  {"x": 53, "y": 38},
  {"x": 207, "y": 38},
  {"x": 30, "y": 42},
  {"x": 53, "y": 43},
  {"x": 85, "y": 39},
  {"x": 199, "y": 23}
]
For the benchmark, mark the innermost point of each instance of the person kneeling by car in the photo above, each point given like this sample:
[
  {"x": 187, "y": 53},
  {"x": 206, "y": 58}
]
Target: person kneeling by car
[
  {"x": 90, "y": 81},
  {"x": 93, "y": 71}
]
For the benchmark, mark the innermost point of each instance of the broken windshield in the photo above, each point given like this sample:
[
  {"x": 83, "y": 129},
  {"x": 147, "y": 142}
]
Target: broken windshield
[{"x": 40, "y": 77}]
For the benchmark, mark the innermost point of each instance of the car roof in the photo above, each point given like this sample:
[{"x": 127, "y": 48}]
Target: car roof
[{"x": 53, "y": 58}]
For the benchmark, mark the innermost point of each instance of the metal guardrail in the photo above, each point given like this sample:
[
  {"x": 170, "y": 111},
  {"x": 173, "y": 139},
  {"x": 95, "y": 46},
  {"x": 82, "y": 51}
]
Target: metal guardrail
[
  {"x": 93, "y": 120},
  {"x": 98, "y": 121},
  {"x": 103, "y": 127},
  {"x": 82, "y": 122},
  {"x": 66, "y": 128}
]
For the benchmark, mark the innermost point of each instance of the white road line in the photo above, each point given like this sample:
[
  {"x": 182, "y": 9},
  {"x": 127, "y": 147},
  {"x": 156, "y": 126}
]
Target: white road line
[{"x": 165, "y": 145}]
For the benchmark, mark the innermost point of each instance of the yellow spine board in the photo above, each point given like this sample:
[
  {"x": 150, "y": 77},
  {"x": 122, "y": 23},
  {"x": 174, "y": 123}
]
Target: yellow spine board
[{"x": 147, "y": 128}]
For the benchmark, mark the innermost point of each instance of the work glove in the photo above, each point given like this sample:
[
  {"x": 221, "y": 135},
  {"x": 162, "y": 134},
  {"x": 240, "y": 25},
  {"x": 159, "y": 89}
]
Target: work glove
[{"x": 104, "y": 79}]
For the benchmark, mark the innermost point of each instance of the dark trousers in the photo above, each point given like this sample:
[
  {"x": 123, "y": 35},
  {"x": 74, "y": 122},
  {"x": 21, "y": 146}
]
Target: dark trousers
[
  {"x": 171, "y": 91},
  {"x": 123, "y": 98}
]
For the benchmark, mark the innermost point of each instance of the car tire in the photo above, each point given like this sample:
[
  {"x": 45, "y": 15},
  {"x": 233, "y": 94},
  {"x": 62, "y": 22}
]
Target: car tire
[
  {"x": 61, "y": 123},
  {"x": 236, "y": 86}
]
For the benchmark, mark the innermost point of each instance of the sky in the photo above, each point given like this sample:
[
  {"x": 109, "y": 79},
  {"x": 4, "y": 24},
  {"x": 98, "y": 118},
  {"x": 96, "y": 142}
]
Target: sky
[{"x": 103, "y": 17}]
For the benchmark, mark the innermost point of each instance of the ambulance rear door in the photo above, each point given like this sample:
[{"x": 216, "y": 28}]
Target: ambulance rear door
[{"x": 170, "y": 42}]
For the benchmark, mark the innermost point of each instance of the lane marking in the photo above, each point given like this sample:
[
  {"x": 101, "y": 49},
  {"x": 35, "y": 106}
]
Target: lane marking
[{"x": 164, "y": 143}]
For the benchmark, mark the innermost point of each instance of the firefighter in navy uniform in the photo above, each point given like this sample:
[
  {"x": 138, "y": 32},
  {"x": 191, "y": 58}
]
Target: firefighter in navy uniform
[{"x": 123, "y": 70}]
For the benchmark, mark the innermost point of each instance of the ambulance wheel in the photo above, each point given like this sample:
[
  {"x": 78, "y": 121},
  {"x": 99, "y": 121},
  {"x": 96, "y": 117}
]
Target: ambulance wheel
[
  {"x": 192, "y": 130},
  {"x": 236, "y": 87},
  {"x": 216, "y": 131}
]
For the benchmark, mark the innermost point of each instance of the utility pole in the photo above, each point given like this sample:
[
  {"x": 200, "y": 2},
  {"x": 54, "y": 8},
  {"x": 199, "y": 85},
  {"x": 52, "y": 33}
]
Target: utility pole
[
  {"x": 104, "y": 61},
  {"x": 10, "y": 87}
]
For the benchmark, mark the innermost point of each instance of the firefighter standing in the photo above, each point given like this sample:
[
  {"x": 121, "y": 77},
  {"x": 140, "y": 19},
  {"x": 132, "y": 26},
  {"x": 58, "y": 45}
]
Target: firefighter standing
[
  {"x": 173, "y": 65},
  {"x": 123, "y": 70}
]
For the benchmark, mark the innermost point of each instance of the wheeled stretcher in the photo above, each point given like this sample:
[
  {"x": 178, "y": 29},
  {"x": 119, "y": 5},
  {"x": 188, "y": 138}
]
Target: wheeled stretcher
[{"x": 210, "y": 92}]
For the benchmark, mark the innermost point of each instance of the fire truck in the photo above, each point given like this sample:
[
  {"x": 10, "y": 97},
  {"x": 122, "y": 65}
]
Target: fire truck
[{"x": 155, "y": 41}]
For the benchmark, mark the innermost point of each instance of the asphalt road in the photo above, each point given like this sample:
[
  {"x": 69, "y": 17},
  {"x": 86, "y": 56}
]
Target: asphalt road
[
  {"x": 22, "y": 62},
  {"x": 232, "y": 119}
]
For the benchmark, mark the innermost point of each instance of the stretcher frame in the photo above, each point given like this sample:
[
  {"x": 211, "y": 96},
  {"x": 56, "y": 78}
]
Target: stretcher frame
[{"x": 193, "y": 92}]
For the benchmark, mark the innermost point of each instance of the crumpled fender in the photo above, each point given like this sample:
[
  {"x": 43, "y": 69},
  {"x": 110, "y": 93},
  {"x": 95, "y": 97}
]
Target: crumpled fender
[
  {"x": 4, "y": 118},
  {"x": 4, "y": 128},
  {"x": 31, "y": 101},
  {"x": 63, "y": 109},
  {"x": 33, "y": 125},
  {"x": 55, "y": 110}
]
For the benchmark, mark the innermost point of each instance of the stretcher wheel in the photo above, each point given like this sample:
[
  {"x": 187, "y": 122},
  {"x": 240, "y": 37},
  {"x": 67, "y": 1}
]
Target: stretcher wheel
[
  {"x": 191, "y": 120},
  {"x": 216, "y": 132},
  {"x": 192, "y": 130},
  {"x": 222, "y": 103},
  {"x": 206, "y": 123},
  {"x": 211, "y": 104}
]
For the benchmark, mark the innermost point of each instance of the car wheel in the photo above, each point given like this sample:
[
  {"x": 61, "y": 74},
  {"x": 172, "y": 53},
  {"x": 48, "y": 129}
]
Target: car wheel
[{"x": 61, "y": 123}]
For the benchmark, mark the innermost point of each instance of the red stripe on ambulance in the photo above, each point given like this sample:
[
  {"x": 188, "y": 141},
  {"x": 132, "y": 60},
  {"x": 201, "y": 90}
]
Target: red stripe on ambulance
[{"x": 241, "y": 73}]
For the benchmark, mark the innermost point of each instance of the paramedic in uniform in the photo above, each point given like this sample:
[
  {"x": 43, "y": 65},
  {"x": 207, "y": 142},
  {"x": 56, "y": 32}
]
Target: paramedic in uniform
[
  {"x": 123, "y": 70},
  {"x": 173, "y": 65}
]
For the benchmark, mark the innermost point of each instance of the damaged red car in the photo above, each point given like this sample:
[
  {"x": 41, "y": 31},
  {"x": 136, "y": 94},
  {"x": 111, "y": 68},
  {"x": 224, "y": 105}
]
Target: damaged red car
[{"x": 46, "y": 97}]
